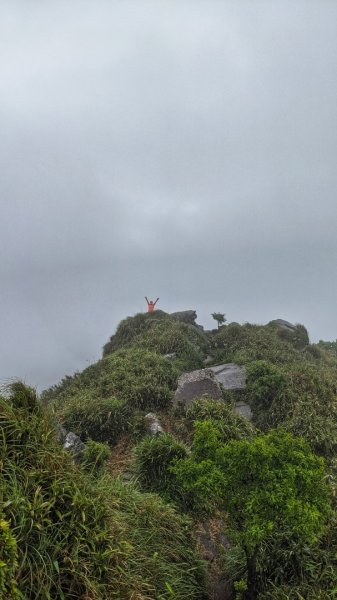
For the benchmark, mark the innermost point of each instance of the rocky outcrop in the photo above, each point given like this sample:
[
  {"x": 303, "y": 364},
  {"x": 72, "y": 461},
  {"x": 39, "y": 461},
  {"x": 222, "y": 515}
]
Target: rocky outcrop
[
  {"x": 196, "y": 384},
  {"x": 185, "y": 316},
  {"x": 283, "y": 324},
  {"x": 209, "y": 382}
]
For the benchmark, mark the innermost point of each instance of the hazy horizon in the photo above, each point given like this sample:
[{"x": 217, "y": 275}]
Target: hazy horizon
[{"x": 181, "y": 149}]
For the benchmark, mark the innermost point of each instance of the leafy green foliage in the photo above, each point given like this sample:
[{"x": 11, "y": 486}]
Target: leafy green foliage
[
  {"x": 265, "y": 382},
  {"x": 301, "y": 399},
  {"x": 269, "y": 484},
  {"x": 231, "y": 425},
  {"x": 72, "y": 536},
  {"x": 8, "y": 562}
]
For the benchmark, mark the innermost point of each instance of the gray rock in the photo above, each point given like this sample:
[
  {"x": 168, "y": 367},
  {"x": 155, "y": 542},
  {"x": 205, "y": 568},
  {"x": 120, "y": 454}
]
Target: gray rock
[
  {"x": 196, "y": 384},
  {"x": 153, "y": 423},
  {"x": 185, "y": 316},
  {"x": 170, "y": 356},
  {"x": 75, "y": 445},
  {"x": 283, "y": 324},
  {"x": 230, "y": 375},
  {"x": 243, "y": 409}
]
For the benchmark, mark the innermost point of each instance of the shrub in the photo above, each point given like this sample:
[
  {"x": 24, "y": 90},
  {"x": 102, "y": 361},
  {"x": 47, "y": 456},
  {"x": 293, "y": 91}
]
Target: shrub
[
  {"x": 131, "y": 327},
  {"x": 8, "y": 562},
  {"x": 231, "y": 425},
  {"x": 265, "y": 385},
  {"x": 100, "y": 419},
  {"x": 269, "y": 485},
  {"x": 153, "y": 457},
  {"x": 246, "y": 343},
  {"x": 158, "y": 332}
]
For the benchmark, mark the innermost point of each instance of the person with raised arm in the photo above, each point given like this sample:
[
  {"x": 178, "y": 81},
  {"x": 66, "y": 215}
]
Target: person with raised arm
[{"x": 151, "y": 304}]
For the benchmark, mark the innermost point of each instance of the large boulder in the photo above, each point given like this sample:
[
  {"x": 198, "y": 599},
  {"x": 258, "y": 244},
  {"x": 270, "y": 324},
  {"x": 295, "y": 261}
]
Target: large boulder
[
  {"x": 230, "y": 375},
  {"x": 196, "y": 384}
]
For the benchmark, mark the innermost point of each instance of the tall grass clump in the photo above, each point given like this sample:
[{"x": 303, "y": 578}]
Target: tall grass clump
[
  {"x": 158, "y": 332},
  {"x": 136, "y": 377},
  {"x": 153, "y": 457},
  {"x": 96, "y": 418},
  {"x": 67, "y": 535},
  {"x": 245, "y": 343}
]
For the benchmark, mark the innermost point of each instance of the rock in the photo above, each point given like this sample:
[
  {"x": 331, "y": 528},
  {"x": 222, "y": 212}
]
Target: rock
[
  {"x": 185, "y": 316},
  {"x": 154, "y": 425},
  {"x": 230, "y": 375},
  {"x": 283, "y": 324},
  {"x": 243, "y": 409},
  {"x": 170, "y": 356},
  {"x": 75, "y": 445},
  {"x": 196, "y": 384}
]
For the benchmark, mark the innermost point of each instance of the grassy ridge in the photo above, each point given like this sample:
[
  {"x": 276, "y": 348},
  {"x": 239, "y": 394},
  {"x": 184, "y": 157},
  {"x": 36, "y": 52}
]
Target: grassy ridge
[{"x": 74, "y": 532}]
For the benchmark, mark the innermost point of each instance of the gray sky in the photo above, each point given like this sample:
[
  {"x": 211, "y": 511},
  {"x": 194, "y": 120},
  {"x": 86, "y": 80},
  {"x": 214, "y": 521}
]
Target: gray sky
[{"x": 181, "y": 149}]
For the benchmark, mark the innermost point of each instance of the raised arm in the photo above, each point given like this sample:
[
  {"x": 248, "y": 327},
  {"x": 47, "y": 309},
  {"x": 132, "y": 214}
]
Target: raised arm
[
  {"x": 156, "y": 302},
  {"x": 147, "y": 300}
]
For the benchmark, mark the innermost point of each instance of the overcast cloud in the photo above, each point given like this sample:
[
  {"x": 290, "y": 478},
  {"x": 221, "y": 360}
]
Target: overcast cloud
[{"x": 180, "y": 149}]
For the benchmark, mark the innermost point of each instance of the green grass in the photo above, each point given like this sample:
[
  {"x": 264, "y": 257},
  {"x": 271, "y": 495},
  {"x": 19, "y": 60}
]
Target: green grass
[
  {"x": 68, "y": 535},
  {"x": 139, "y": 378}
]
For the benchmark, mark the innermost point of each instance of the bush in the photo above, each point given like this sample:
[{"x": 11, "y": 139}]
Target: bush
[
  {"x": 265, "y": 385},
  {"x": 231, "y": 425},
  {"x": 153, "y": 457},
  {"x": 100, "y": 419},
  {"x": 131, "y": 327},
  {"x": 8, "y": 562},
  {"x": 246, "y": 343},
  {"x": 158, "y": 332}
]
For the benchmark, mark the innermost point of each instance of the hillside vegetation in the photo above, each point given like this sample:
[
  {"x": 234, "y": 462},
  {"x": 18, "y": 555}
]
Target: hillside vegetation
[{"x": 126, "y": 521}]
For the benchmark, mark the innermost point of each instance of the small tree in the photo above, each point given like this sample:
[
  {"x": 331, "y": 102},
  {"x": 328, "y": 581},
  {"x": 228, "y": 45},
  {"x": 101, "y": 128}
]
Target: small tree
[
  {"x": 271, "y": 484},
  {"x": 220, "y": 318}
]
